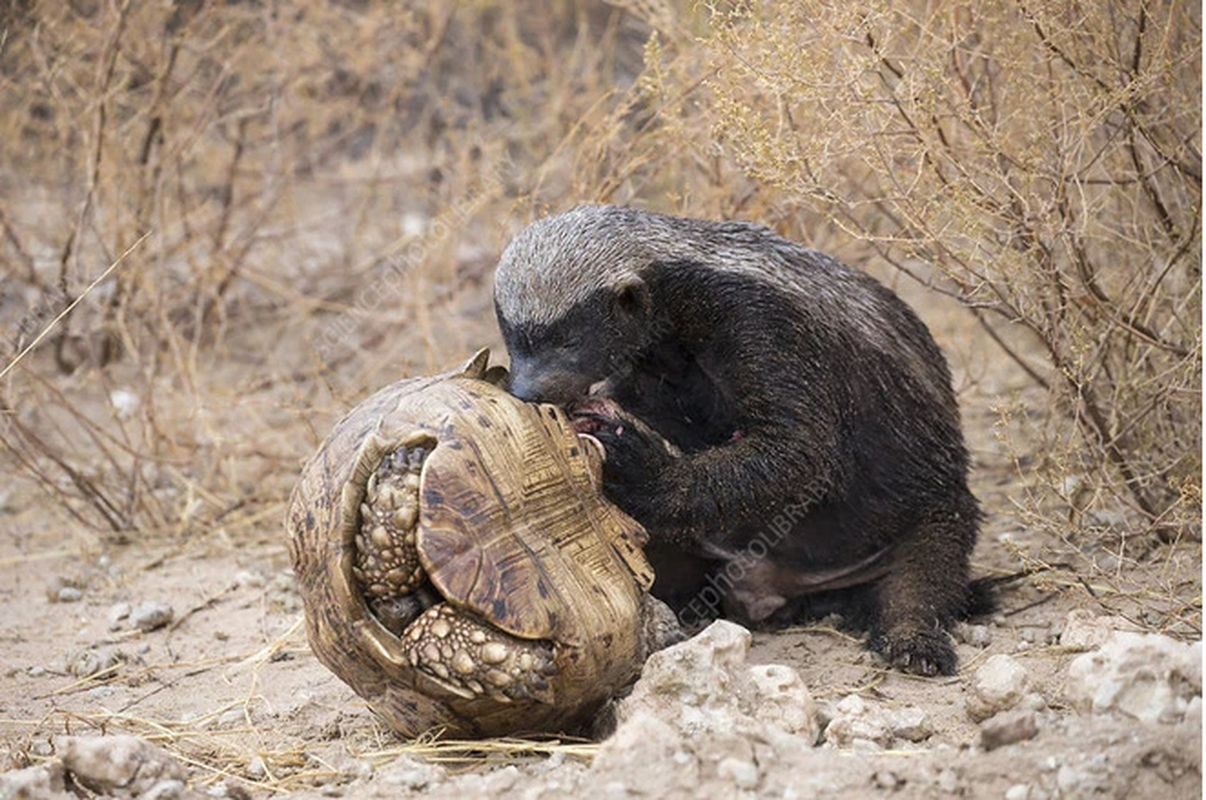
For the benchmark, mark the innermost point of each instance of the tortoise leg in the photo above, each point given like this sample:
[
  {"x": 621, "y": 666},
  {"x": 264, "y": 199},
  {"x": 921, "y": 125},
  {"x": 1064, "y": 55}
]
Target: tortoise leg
[
  {"x": 473, "y": 659},
  {"x": 387, "y": 561}
]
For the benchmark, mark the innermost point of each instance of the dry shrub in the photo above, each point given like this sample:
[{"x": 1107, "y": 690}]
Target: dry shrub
[
  {"x": 325, "y": 186},
  {"x": 1039, "y": 161},
  {"x": 299, "y": 185}
]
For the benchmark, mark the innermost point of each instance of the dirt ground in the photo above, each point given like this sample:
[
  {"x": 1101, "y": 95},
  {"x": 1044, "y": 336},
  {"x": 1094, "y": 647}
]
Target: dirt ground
[{"x": 228, "y": 685}]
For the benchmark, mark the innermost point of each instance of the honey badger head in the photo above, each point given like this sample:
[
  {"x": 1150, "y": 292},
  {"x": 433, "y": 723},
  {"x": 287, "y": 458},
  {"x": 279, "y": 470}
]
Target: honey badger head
[{"x": 573, "y": 302}]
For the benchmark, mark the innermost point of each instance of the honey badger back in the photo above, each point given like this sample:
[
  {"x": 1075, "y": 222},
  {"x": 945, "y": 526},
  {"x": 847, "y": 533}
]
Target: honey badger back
[{"x": 820, "y": 435}]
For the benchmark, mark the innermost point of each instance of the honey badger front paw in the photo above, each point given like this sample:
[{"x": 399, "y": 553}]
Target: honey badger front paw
[
  {"x": 633, "y": 460},
  {"x": 922, "y": 652}
]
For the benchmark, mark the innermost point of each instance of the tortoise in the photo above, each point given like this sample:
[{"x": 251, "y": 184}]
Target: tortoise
[{"x": 459, "y": 567}]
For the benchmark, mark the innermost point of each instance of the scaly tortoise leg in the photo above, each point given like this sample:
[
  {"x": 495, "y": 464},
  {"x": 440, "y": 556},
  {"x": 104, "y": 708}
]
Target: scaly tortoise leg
[
  {"x": 473, "y": 659},
  {"x": 387, "y": 561}
]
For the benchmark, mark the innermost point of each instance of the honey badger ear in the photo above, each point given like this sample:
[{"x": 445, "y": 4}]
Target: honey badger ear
[{"x": 632, "y": 296}]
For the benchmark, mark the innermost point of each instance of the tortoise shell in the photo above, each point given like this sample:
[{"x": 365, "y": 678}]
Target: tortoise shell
[{"x": 513, "y": 535}]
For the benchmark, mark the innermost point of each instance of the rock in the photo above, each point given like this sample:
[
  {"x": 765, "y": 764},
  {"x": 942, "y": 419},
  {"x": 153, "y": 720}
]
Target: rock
[
  {"x": 1149, "y": 677},
  {"x": 781, "y": 699},
  {"x": 119, "y": 766},
  {"x": 1008, "y": 727},
  {"x": 998, "y": 685},
  {"x": 118, "y": 614},
  {"x": 701, "y": 711},
  {"x": 705, "y": 685},
  {"x": 909, "y": 723},
  {"x": 92, "y": 662},
  {"x": 975, "y": 635},
  {"x": 1085, "y": 630},
  {"x": 65, "y": 590},
  {"x": 410, "y": 773},
  {"x": 642, "y": 739},
  {"x": 857, "y": 723},
  {"x": 151, "y": 615},
  {"x": 43, "y": 782}
]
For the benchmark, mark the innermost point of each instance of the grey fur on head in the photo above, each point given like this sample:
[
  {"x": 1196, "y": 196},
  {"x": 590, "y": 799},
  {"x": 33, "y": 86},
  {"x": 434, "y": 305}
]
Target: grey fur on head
[{"x": 581, "y": 251}]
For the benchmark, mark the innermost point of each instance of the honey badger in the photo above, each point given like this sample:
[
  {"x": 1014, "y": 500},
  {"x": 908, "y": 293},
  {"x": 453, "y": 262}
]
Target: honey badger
[{"x": 821, "y": 449}]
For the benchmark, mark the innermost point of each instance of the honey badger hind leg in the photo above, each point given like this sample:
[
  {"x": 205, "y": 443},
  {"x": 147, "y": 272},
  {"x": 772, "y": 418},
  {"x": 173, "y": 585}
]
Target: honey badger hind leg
[
  {"x": 474, "y": 659},
  {"x": 924, "y": 592}
]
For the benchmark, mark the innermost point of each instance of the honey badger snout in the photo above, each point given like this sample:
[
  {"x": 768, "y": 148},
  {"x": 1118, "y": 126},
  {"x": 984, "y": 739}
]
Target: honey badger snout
[{"x": 534, "y": 380}]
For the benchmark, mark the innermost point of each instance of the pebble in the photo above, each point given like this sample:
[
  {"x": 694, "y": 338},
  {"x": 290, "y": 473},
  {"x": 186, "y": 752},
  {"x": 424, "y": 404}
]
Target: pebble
[
  {"x": 64, "y": 590},
  {"x": 975, "y": 635},
  {"x": 1008, "y": 727},
  {"x": 1084, "y": 630},
  {"x": 998, "y": 685},
  {"x": 118, "y": 613},
  {"x": 90, "y": 662},
  {"x": 70, "y": 594},
  {"x": 1019, "y": 791},
  {"x": 883, "y": 779},
  {"x": 150, "y": 615}
]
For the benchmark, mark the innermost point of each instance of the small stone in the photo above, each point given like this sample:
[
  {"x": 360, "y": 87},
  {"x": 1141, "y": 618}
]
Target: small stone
[
  {"x": 976, "y": 635},
  {"x": 1008, "y": 727},
  {"x": 256, "y": 768},
  {"x": 151, "y": 615},
  {"x": 36, "y": 671},
  {"x": 87, "y": 663},
  {"x": 42, "y": 782},
  {"x": 998, "y": 685},
  {"x": 118, "y": 613},
  {"x": 948, "y": 781},
  {"x": 70, "y": 594},
  {"x": 1084, "y": 630},
  {"x": 1019, "y": 791},
  {"x": 125, "y": 765},
  {"x": 910, "y": 724}
]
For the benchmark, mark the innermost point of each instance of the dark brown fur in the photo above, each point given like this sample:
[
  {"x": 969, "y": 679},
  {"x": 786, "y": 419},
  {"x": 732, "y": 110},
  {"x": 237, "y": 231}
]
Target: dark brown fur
[{"x": 823, "y": 460}]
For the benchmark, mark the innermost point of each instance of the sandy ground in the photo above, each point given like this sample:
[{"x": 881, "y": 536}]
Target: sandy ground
[{"x": 229, "y": 685}]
